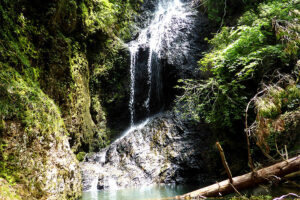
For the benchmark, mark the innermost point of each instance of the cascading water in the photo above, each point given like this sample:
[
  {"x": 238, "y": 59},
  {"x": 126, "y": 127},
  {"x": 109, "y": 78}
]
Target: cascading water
[
  {"x": 132, "y": 83},
  {"x": 155, "y": 41},
  {"x": 132, "y": 158}
]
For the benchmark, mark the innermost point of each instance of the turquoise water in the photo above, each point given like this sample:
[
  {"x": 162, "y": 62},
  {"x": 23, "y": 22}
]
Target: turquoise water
[
  {"x": 144, "y": 193},
  {"x": 157, "y": 192}
]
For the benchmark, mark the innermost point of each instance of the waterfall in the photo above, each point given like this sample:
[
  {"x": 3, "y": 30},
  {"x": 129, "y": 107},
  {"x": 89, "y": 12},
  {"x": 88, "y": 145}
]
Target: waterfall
[
  {"x": 166, "y": 38},
  {"x": 133, "y": 128},
  {"x": 155, "y": 40}
]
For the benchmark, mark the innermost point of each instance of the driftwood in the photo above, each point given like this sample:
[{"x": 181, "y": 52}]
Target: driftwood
[{"x": 246, "y": 181}]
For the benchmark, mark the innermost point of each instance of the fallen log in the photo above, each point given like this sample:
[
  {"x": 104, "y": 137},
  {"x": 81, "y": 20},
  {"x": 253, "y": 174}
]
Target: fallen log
[{"x": 246, "y": 181}]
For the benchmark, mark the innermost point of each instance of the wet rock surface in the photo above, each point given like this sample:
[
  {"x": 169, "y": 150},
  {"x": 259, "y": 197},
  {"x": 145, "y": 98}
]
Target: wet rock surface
[
  {"x": 184, "y": 39},
  {"x": 169, "y": 46},
  {"x": 182, "y": 45},
  {"x": 163, "y": 151}
]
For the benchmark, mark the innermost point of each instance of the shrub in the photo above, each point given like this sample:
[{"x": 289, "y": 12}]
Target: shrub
[{"x": 240, "y": 58}]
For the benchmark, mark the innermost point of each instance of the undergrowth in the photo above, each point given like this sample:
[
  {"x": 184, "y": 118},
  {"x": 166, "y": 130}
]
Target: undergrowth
[
  {"x": 278, "y": 108},
  {"x": 264, "y": 40}
]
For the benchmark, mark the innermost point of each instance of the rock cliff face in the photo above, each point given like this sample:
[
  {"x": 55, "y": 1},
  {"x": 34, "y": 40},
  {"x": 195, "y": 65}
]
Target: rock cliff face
[
  {"x": 46, "y": 165},
  {"x": 64, "y": 88},
  {"x": 164, "y": 150},
  {"x": 50, "y": 53},
  {"x": 35, "y": 152}
]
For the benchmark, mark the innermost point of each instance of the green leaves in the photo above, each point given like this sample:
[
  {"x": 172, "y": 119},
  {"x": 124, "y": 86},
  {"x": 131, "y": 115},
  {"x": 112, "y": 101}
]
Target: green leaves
[
  {"x": 110, "y": 17},
  {"x": 220, "y": 11},
  {"x": 240, "y": 57}
]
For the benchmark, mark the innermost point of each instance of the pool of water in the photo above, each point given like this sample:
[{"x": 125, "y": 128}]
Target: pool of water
[
  {"x": 158, "y": 192},
  {"x": 144, "y": 193}
]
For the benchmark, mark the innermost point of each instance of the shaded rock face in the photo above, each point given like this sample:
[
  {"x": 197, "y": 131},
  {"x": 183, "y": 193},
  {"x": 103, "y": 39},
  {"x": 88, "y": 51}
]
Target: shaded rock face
[{"x": 162, "y": 151}]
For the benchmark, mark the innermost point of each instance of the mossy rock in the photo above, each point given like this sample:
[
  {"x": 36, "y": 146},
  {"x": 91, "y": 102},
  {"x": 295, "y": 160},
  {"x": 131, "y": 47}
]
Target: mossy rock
[{"x": 7, "y": 191}]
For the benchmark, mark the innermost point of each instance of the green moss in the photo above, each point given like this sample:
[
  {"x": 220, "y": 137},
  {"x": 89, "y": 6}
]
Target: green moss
[
  {"x": 65, "y": 17},
  {"x": 80, "y": 156},
  {"x": 35, "y": 109},
  {"x": 2, "y": 125},
  {"x": 277, "y": 117},
  {"x": 263, "y": 197},
  {"x": 111, "y": 18},
  {"x": 7, "y": 192},
  {"x": 225, "y": 11},
  {"x": 33, "y": 113},
  {"x": 45, "y": 77}
]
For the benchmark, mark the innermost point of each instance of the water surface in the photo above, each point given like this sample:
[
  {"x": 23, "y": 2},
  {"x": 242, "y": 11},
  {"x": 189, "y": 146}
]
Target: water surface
[
  {"x": 157, "y": 192},
  {"x": 144, "y": 193}
]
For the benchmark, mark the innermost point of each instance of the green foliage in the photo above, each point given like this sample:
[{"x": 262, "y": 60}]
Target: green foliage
[
  {"x": 240, "y": 57},
  {"x": 80, "y": 156},
  {"x": 97, "y": 15},
  {"x": 278, "y": 100},
  {"x": 6, "y": 171},
  {"x": 111, "y": 17},
  {"x": 218, "y": 9},
  {"x": 45, "y": 75},
  {"x": 16, "y": 48},
  {"x": 7, "y": 192},
  {"x": 18, "y": 78},
  {"x": 22, "y": 100},
  {"x": 277, "y": 114},
  {"x": 263, "y": 197},
  {"x": 35, "y": 109},
  {"x": 111, "y": 21}
]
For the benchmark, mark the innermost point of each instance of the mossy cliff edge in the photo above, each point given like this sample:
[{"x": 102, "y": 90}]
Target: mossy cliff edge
[{"x": 52, "y": 55}]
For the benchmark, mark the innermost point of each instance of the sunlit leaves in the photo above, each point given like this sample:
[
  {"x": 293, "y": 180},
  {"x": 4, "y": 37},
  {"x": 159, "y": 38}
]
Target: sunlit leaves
[{"x": 240, "y": 57}]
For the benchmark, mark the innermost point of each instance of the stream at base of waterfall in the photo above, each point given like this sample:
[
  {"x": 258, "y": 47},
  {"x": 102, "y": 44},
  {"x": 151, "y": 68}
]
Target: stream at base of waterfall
[
  {"x": 161, "y": 191},
  {"x": 141, "y": 193}
]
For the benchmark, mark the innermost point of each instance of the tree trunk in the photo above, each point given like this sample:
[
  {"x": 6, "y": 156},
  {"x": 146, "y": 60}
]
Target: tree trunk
[{"x": 247, "y": 180}]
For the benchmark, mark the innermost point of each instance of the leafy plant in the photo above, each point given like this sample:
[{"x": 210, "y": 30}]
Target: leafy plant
[
  {"x": 240, "y": 58},
  {"x": 224, "y": 10}
]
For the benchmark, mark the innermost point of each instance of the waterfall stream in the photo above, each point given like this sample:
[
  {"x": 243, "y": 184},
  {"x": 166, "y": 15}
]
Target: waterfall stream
[
  {"x": 141, "y": 163},
  {"x": 156, "y": 39}
]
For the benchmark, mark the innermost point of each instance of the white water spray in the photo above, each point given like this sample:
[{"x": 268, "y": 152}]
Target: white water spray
[
  {"x": 133, "y": 128},
  {"x": 94, "y": 183},
  {"x": 133, "y": 53}
]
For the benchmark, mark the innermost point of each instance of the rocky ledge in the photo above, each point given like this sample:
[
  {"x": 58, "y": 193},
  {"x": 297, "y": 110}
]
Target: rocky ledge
[{"x": 164, "y": 150}]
